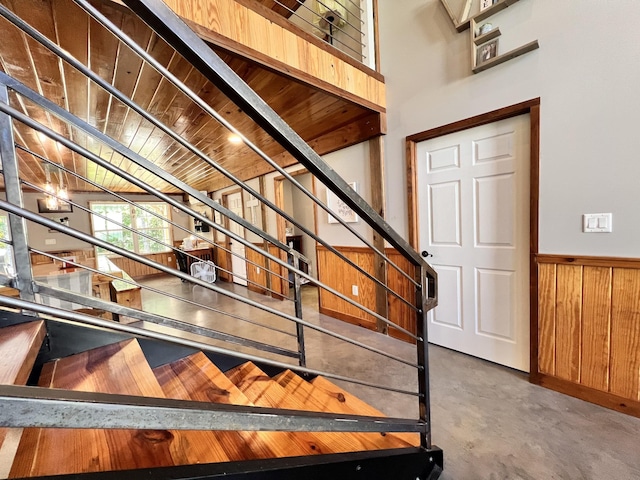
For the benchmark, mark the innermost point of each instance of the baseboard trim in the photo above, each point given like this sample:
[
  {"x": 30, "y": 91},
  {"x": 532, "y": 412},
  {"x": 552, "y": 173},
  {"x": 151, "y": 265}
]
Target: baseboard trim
[{"x": 604, "y": 399}]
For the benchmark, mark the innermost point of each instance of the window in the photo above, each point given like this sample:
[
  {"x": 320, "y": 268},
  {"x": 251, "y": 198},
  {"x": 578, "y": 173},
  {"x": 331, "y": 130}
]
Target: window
[
  {"x": 6, "y": 253},
  {"x": 117, "y": 215}
]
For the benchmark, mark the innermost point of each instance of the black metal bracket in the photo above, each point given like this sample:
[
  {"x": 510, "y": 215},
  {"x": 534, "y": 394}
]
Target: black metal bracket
[{"x": 399, "y": 464}]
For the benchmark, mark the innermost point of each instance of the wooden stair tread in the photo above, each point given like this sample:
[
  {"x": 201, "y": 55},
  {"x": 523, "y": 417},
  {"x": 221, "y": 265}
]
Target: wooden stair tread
[
  {"x": 196, "y": 378},
  {"x": 208, "y": 383},
  {"x": 118, "y": 368},
  {"x": 265, "y": 392},
  {"x": 358, "y": 406},
  {"x": 19, "y": 347},
  {"x": 317, "y": 399}
]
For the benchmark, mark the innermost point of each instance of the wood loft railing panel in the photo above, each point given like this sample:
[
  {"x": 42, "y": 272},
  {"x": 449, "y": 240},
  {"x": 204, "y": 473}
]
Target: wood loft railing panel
[
  {"x": 589, "y": 329},
  {"x": 259, "y": 33}
]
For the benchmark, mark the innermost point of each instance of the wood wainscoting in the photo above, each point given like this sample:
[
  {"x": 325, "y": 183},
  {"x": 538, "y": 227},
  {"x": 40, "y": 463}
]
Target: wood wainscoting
[
  {"x": 340, "y": 276},
  {"x": 588, "y": 329},
  {"x": 256, "y": 270}
]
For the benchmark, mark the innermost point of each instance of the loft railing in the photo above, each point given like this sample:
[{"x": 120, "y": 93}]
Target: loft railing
[
  {"x": 345, "y": 24},
  {"x": 282, "y": 263}
]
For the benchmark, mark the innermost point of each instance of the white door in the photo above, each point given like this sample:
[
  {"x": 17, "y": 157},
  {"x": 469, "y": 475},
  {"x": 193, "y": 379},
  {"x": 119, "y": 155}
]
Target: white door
[
  {"x": 238, "y": 262},
  {"x": 474, "y": 219}
]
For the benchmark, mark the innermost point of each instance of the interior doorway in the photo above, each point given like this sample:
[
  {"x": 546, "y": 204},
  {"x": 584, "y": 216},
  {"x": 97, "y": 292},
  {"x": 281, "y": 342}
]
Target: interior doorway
[
  {"x": 478, "y": 304},
  {"x": 473, "y": 211},
  {"x": 297, "y": 205},
  {"x": 236, "y": 250}
]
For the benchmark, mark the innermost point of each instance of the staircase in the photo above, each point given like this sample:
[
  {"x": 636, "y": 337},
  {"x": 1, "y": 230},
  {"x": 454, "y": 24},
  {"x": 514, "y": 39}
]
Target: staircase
[
  {"x": 122, "y": 368},
  {"x": 224, "y": 389}
]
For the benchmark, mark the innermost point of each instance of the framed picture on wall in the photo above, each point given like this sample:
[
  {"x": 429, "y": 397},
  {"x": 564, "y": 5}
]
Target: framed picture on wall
[
  {"x": 340, "y": 209},
  {"x": 487, "y": 51},
  {"x": 60, "y": 207},
  {"x": 484, "y": 4}
]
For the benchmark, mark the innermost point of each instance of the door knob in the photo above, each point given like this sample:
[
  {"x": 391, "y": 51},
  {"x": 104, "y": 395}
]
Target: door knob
[{"x": 426, "y": 254}]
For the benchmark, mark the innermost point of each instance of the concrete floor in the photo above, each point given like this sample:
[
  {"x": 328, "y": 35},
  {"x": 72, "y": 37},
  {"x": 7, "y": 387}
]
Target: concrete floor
[{"x": 491, "y": 423}]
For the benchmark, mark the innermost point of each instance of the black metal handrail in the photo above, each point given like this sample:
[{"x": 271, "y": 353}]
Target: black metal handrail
[{"x": 166, "y": 24}]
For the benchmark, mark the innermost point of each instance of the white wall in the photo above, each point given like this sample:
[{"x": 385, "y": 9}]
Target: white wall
[
  {"x": 586, "y": 72},
  {"x": 352, "y": 164},
  {"x": 303, "y": 213}
]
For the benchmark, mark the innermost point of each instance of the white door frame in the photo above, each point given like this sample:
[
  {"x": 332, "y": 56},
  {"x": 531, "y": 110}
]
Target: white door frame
[
  {"x": 531, "y": 107},
  {"x": 225, "y": 203}
]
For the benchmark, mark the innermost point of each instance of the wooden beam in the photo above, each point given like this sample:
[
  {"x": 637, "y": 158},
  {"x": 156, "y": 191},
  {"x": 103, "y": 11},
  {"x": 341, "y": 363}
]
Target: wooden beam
[
  {"x": 376, "y": 34},
  {"x": 376, "y": 169}
]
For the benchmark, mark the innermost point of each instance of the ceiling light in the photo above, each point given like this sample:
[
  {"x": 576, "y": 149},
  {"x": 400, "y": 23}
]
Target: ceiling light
[{"x": 233, "y": 138}]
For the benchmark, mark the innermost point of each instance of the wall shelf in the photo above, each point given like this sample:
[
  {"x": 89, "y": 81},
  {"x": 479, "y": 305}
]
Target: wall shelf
[
  {"x": 516, "y": 52},
  {"x": 477, "y": 42},
  {"x": 480, "y": 39},
  {"x": 483, "y": 15}
]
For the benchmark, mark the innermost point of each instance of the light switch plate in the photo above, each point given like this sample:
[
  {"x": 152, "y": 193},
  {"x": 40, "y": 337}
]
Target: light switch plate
[{"x": 597, "y": 222}]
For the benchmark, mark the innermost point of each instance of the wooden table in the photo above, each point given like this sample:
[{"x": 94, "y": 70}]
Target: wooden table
[{"x": 121, "y": 292}]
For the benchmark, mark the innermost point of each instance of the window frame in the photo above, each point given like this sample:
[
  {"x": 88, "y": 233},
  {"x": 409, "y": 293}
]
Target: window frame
[{"x": 134, "y": 227}]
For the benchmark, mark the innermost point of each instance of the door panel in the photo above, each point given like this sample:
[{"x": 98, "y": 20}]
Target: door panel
[
  {"x": 495, "y": 218},
  {"x": 449, "y": 311},
  {"x": 238, "y": 258},
  {"x": 445, "y": 225},
  {"x": 474, "y": 219},
  {"x": 495, "y": 298}
]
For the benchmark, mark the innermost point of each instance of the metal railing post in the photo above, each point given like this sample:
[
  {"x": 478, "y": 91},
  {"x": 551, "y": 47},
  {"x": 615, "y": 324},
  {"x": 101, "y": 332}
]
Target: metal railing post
[
  {"x": 18, "y": 225},
  {"x": 424, "y": 303},
  {"x": 294, "y": 257}
]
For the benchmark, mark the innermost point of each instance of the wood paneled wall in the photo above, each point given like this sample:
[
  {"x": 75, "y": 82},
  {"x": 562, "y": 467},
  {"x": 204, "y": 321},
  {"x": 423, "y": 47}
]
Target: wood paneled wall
[
  {"x": 341, "y": 277},
  {"x": 399, "y": 312},
  {"x": 256, "y": 272},
  {"x": 135, "y": 269},
  {"x": 243, "y": 26},
  {"x": 589, "y": 329},
  {"x": 276, "y": 282}
]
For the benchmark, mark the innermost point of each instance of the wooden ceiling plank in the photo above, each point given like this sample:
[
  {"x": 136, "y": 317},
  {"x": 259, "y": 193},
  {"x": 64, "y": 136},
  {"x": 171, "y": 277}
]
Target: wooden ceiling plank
[
  {"x": 149, "y": 80},
  {"x": 127, "y": 68},
  {"x": 72, "y": 36},
  {"x": 46, "y": 69},
  {"x": 103, "y": 52},
  {"x": 311, "y": 112}
]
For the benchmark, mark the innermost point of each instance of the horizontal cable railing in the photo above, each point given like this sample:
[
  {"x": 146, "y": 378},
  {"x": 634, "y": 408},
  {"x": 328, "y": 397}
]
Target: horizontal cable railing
[
  {"x": 144, "y": 333},
  {"x": 25, "y": 214},
  {"x": 282, "y": 265},
  {"x": 339, "y": 24},
  {"x": 174, "y": 203},
  {"x": 217, "y": 116}
]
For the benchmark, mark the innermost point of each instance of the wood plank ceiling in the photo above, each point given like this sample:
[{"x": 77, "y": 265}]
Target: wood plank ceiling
[{"x": 314, "y": 114}]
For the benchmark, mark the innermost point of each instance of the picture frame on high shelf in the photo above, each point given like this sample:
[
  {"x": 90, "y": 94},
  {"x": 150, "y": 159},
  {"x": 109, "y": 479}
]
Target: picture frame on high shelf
[
  {"x": 487, "y": 51},
  {"x": 484, "y": 4}
]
